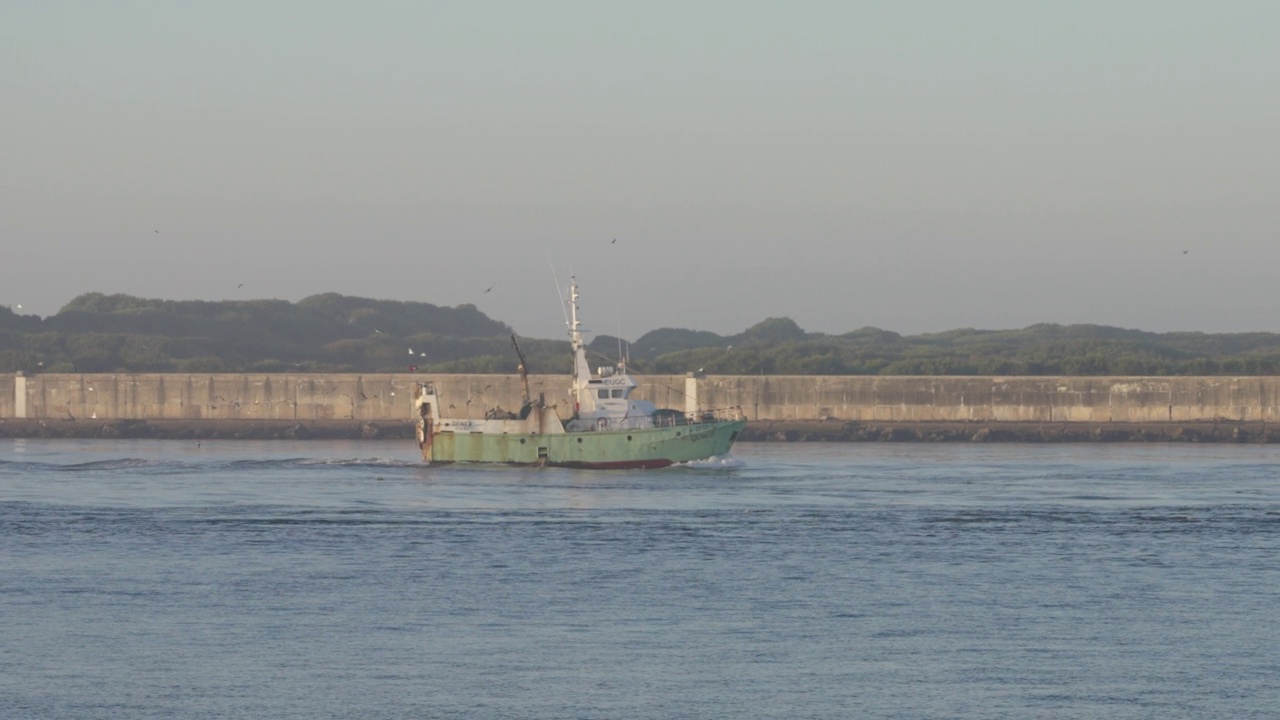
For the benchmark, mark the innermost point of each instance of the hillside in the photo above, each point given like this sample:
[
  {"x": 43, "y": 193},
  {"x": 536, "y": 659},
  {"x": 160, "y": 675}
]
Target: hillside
[{"x": 336, "y": 333}]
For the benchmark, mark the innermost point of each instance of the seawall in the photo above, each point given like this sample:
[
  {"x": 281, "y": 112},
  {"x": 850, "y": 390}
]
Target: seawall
[
  {"x": 756, "y": 431},
  {"x": 787, "y": 407}
]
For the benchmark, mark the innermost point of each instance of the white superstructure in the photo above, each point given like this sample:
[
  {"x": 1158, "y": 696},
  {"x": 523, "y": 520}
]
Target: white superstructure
[{"x": 602, "y": 401}]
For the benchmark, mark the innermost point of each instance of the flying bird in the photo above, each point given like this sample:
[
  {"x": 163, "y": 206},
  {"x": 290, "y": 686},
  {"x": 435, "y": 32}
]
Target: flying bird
[
  {"x": 1184, "y": 252},
  {"x": 613, "y": 241},
  {"x": 410, "y": 351},
  {"x": 240, "y": 285},
  {"x": 487, "y": 289}
]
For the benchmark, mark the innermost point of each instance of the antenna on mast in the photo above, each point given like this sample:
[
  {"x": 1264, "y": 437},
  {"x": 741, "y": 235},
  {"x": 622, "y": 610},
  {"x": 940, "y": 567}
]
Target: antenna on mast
[
  {"x": 622, "y": 360},
  {"x": 556, "y": 280}
]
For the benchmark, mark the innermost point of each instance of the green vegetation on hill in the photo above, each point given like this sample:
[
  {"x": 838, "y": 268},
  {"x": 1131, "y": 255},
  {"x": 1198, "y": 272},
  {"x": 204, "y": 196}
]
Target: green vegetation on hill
[
  {"x": 330, "y": 332},
  {"x": 336, "y": 333},
  {"x": 779, "y": 347}
]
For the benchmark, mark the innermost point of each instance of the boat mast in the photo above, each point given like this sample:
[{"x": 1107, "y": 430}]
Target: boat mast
[
  {"x": 581, "y": 370},
  {"x": 575, "y": 330}
]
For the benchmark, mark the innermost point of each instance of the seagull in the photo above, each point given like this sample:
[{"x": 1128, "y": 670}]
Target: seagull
[
  {"x": 19, "y": 307},
  {"x": 487, "y": 289},
  {"x": 410, "y": 351},
  {"x": 240, "y": 285},
  {"x": 613, "y": 241},
  {"x": 1184, "y": 252},
  {"x": 376, "y": 330}
]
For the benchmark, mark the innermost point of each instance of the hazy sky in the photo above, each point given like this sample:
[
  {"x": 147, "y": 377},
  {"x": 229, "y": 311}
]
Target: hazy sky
[{"x": 916, "y": 166}]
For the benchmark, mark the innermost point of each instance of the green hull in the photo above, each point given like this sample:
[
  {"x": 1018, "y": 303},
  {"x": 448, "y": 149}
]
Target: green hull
[{"x": 648, "y": 448}]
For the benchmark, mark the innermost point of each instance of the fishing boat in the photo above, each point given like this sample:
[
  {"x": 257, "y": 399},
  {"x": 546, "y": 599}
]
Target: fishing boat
[{"x": 599, "y": 425}]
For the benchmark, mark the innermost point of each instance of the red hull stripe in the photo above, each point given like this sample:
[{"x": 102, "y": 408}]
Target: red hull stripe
[{"x": 619, "y": 465}]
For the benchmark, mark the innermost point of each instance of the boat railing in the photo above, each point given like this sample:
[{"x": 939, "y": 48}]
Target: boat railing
[
  {"x": 702, "y": 416},
  {"x": 659, "y": 419},
  {"x": 717, "y": 415}
]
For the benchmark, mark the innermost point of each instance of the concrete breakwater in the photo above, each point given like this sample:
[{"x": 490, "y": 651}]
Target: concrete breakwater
[
  {"x": 756, "y": 431},
  {"x": 838, "y": 408}
]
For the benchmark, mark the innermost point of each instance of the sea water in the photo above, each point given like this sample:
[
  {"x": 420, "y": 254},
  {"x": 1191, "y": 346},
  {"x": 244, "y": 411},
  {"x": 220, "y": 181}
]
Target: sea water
[{"x": 143, "y": 579}]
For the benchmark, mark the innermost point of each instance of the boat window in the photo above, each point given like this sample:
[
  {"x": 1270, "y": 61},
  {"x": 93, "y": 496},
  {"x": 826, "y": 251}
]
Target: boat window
[
  {"x": 602, "y": 393},
  {"x": 617, "y": 392}
]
